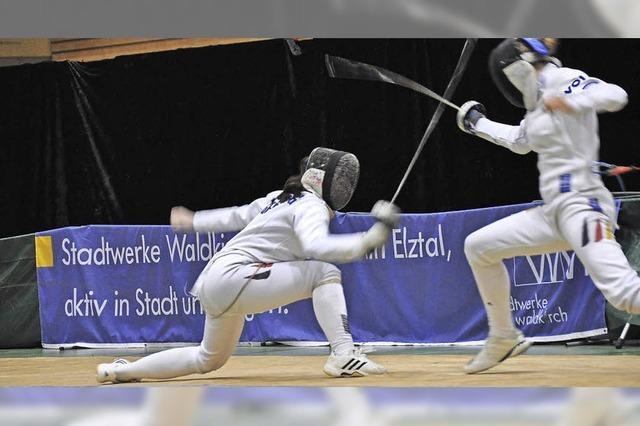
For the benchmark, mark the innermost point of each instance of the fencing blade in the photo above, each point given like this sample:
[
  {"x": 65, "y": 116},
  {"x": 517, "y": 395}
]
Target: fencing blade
[
  {"x": 465, "y": 55},
  {"x": 338, "y": 67}
]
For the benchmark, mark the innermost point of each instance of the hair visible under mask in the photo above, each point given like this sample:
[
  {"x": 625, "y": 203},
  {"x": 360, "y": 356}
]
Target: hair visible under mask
[{"x": 292, "y": 188}]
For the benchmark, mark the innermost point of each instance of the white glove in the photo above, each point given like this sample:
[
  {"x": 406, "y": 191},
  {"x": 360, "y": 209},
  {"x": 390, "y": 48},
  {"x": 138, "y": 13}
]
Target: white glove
[
  {"x": 376, "y": 236},
  {"x": 468, "y": 115},
  {"x": 181, "y": 219},
  {"x": 387, "y": 213},
  {"x": 388, "y": 216}
]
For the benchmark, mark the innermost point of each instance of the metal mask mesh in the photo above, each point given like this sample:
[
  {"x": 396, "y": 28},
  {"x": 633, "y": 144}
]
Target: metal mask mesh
[
  {"x": 511, "y": 50},
  {"x": 502, "y": 56},
  {"x": 342, "y": 171}
]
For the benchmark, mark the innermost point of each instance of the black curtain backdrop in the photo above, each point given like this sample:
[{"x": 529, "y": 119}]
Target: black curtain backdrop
[{"x": 121, "y": 141}]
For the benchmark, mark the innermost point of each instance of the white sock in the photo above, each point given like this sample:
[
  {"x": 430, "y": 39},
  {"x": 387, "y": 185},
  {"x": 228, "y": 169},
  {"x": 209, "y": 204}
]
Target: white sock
[
  {"x": 331, "y": 312},
  {"x": 162, "y": 365},
  {"x": 494, "y": 287}
]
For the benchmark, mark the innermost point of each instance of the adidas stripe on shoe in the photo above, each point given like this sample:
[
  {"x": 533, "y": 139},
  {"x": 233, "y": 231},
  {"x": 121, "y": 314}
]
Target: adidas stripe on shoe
[{"x": 354, "y": 364}]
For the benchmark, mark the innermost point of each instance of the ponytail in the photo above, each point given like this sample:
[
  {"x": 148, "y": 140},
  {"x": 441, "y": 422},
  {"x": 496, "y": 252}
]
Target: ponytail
[{"x": 292, "y": 187}]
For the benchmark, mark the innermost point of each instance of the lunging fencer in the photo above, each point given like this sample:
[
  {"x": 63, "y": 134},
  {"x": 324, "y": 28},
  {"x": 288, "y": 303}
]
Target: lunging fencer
[
  {"x": 284, "y": 253},
  {"x": 561, "y": 126}
]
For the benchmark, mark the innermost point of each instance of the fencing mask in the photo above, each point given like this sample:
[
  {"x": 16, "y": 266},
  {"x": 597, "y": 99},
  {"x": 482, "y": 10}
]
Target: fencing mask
[
  {"x": 511, "y": 67},
  {"x": 332, "y": 175}
]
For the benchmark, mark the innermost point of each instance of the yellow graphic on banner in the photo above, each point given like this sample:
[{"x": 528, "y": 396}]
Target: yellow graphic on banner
[{"x": 44, "y": 252}]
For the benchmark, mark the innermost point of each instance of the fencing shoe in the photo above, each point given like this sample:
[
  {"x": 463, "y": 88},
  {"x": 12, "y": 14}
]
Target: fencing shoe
[
  {"x": 354, "y": 364},
  {"x": 107, "y": 372},
  {"x": 496, "y": 350}
]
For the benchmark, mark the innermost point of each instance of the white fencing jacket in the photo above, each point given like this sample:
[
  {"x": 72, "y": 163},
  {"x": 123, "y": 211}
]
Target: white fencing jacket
[
  {"x": 272, "y": 232},
  {"x": 567, "y": 144}
]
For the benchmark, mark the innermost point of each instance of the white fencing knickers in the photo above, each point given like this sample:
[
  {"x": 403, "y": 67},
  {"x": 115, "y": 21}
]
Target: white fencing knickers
[
  {"x": 576, "y": 223},
  {"x": 250, "y": 288}
]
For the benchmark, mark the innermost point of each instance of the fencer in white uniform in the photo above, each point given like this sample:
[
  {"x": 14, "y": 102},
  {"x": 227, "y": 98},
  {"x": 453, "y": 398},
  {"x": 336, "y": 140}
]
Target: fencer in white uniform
[
  {"x": 284, "y": 253},
  {"x": 561, "y": 126}
]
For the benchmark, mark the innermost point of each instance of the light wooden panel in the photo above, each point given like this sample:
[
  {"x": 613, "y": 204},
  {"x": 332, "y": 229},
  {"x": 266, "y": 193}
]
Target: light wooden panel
[
  {"x": 93, "y": 49},
  {"x": 25, "y": 48}
]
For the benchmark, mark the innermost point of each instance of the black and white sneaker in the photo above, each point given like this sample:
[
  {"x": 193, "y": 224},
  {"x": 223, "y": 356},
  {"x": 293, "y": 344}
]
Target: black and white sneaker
[
  {"x": 107, "y": 372},
  {"x": 355, "y": 364}
]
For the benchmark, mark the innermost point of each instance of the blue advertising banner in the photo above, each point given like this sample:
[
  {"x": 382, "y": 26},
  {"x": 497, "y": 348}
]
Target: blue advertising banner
[{"x": 128, "y": 285}]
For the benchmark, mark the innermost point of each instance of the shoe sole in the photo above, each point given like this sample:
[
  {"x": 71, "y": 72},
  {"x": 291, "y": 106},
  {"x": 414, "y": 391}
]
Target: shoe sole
[
  {"x": 344, "y": 375},
  {"x": 520, "y": 348},
  {"x": 338, "y": 373}
]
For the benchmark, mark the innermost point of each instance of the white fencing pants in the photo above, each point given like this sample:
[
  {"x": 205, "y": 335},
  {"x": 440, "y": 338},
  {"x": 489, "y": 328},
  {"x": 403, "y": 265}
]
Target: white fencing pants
[
  {"x": 578, "y": 226},
  {"x": 255, "y": 288}
]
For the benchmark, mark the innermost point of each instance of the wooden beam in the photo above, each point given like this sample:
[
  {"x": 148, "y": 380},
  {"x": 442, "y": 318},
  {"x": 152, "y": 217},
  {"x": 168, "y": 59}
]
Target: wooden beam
[
  {"x": 71, "y": 45},
  {"x": 25, "y": 48},
  {"x": 99, "y": 49}
]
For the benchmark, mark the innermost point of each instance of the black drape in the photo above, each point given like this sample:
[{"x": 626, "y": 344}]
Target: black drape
[{"x": 121, "y": 141}]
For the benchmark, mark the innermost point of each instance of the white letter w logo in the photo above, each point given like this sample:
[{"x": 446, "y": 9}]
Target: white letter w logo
[{"x": 547, "y": 268}]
